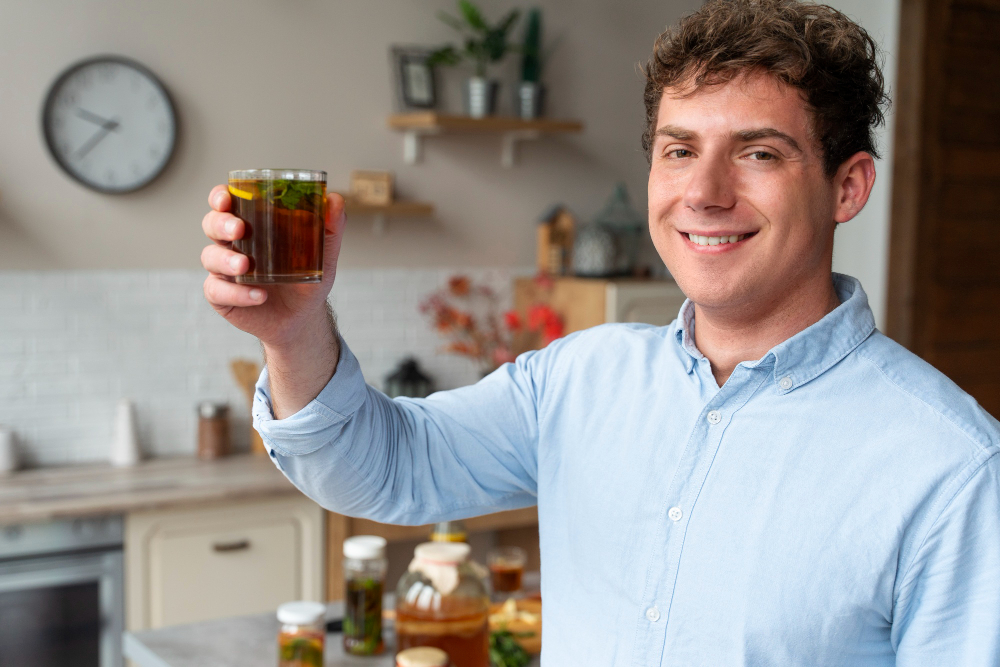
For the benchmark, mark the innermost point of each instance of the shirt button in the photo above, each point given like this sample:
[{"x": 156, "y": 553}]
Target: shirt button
[
  {"x": 653, "y": 614},
  {"x": 785, "y": 383},
  {"x": 714, "y": 417},
  {"x": 675, "y": 514}
]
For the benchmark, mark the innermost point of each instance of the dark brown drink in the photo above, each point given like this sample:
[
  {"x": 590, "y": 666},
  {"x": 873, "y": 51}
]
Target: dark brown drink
[
  {"x": 506, "y": 578},
  {"x": 283, "y": 211},
  {"x": 460, "y": 628}
]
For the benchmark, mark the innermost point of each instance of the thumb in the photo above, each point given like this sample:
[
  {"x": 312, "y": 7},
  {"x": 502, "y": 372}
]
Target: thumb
[{"x": 335, "y": 223}]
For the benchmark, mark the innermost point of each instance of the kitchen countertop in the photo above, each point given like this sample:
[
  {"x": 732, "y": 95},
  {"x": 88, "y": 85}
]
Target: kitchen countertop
[
  {"x": 243, "y": 641},
  {"x": 71, "y": 492}
]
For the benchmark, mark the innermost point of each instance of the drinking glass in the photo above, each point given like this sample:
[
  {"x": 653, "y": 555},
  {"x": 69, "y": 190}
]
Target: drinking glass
[{"x": 283, "y": 211}]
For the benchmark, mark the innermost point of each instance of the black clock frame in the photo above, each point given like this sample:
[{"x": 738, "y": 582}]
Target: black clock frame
[{"x": 50, "y": 102}]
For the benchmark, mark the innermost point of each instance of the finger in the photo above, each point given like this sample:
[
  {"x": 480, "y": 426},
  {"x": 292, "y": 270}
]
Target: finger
[
  {"x": 217, "y": 259},
  {"x": 222, "y": 294},
  {"x": 335, "y": 222},
  {"x": 222, "y": 227},
  {"x": 219, "y": 198},
  {"x": 334, "y": 213}
]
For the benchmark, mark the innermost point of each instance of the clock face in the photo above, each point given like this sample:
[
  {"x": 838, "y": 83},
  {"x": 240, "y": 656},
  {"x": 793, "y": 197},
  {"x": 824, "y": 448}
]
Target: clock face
[{"x": 110, "y": 124}]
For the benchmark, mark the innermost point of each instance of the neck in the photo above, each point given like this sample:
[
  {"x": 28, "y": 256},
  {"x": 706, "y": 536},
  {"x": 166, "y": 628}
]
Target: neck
[{"x": 728, "y": 335}]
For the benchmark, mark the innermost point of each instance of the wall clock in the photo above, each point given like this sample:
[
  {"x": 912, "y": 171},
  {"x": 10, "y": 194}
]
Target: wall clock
[{"x": 110, "y": 124}]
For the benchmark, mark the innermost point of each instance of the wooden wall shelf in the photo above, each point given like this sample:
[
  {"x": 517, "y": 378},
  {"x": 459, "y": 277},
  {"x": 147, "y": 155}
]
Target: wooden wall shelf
[
  {"x": 416, "y": 126},
  {"x": 382, "y": 213}
]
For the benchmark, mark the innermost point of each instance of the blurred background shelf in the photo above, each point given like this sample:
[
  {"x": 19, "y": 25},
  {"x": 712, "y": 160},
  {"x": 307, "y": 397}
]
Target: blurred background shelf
[
  {"x": 416, "y": 126},
  {"x": 381, "y": 213}
]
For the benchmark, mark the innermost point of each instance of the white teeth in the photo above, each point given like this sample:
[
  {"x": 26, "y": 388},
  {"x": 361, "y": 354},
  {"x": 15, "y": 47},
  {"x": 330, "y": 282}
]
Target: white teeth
[{"x": 716, "y": 240}]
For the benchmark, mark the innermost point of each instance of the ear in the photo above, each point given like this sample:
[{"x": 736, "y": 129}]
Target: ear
[{"x": 853, "y": 183}]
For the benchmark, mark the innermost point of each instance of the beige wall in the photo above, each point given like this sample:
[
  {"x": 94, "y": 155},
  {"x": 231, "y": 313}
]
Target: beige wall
[{"x": 306, "y": 83}]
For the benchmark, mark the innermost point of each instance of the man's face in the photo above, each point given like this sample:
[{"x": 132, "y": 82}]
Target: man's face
[{"x": 740, "y": 210}]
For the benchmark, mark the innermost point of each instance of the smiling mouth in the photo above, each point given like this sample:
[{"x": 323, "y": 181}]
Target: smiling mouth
[{"x": 716, "y": 240}]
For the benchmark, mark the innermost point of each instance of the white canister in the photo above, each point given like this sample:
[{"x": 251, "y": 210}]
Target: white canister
[
  {"x": 8, "y": 455},
  {"x": 125, "y": 440}
]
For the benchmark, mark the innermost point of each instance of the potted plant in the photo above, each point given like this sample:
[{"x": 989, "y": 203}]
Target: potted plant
[
  {"x": 531, "y": 92},
  {"x": 484, "y": 44}
]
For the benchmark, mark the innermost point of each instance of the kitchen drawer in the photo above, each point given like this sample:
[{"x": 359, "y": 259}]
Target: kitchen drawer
[{"x": 183, "y": 566}]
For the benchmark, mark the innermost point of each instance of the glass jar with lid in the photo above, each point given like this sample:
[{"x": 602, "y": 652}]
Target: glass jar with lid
[
  {"x": 365, "y": 565},
  {"x": 442, "y": 602},
  {"x": 302, "y": 634}
]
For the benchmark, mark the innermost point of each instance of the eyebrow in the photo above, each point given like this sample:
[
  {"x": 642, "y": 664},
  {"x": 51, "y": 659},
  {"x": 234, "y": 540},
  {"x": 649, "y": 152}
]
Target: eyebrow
[{"x": 681, "y": 134}]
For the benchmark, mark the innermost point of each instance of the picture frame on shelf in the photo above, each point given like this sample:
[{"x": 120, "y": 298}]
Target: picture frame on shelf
[{"x": 414, "y": 78}]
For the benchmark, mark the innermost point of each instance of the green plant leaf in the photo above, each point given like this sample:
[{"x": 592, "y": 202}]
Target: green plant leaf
[{"x": 472, "y": 16}]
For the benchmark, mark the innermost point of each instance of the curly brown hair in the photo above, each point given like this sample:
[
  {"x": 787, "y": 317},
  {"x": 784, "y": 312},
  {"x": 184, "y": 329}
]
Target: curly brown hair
[{"x": 832, "y": 60}]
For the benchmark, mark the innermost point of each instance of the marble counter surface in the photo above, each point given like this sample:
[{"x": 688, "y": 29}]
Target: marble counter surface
[
  {"x": 59, "y": 493},
  {"x": 244, "y": 641}
]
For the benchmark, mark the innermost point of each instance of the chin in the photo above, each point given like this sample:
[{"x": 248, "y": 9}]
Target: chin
[{"x": 712, "y": 289}]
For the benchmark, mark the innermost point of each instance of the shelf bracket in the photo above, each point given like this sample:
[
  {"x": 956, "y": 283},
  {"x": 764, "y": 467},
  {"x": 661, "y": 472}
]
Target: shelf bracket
[
  {"x": 413, "y": 147},
  {"x": 508, "y": 151}
]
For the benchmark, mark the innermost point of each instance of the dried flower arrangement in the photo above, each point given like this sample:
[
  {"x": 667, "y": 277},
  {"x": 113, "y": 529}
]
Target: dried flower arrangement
[{"x": 467, "y": 315}]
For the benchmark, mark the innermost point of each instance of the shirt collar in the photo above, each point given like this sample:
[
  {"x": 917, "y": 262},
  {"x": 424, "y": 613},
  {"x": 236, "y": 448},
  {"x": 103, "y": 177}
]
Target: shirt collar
[{"x": 810, "y": 352}]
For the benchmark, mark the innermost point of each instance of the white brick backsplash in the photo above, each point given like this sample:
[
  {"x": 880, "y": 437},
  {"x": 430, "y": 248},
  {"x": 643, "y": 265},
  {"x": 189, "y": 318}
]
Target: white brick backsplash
[{"x": 72, "y": 343}]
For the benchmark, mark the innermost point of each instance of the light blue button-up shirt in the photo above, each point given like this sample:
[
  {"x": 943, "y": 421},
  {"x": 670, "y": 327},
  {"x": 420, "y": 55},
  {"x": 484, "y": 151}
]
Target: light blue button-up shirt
[{"x": 836, "y": 502}]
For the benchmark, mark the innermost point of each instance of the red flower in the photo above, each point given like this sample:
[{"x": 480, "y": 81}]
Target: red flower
[{"x": 512, "y": 320}]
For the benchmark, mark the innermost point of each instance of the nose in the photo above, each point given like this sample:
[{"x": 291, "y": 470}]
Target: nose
[{"x": 710, "y": 185}]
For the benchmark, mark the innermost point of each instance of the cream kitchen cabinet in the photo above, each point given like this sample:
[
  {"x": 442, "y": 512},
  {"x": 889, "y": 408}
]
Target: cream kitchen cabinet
[
  {"x": 587, "y": 302},
  {"x": 224, "y": 559}
]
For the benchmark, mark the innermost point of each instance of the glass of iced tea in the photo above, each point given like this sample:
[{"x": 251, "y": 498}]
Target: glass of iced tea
[
  {"x": 506, "y": 568},
  {"x": 283, "y": 211}
]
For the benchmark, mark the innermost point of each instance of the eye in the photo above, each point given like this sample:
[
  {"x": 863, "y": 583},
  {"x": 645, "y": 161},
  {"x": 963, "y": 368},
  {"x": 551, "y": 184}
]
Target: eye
[
  {"x": 763, "y": 156},
  {"x": 686, "y": 153}
]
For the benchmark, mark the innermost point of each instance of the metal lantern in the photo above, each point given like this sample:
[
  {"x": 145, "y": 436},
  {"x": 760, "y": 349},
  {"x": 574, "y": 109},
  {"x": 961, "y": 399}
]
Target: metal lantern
[
  {"x": 408, "y": 380},
  {"x": 627, "y": 225}
]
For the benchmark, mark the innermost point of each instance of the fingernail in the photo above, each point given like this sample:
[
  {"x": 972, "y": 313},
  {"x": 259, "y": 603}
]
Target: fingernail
[
  {"x": 256, "y": 294},
  {"x": 234, "y": 262},
  {"x": 231, "y": 227}
]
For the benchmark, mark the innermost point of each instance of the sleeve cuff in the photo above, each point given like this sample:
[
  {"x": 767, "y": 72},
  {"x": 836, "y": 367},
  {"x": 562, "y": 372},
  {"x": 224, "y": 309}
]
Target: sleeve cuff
[{"x": 303, "y": 432}]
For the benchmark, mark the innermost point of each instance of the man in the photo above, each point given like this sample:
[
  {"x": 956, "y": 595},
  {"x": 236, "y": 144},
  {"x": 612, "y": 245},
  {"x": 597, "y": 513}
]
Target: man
[{"x": 766, "y": 481}]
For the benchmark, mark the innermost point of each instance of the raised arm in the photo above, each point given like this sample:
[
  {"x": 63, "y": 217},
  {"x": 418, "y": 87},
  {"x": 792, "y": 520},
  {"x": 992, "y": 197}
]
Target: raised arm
[
  {"x": 455, "y": 454},
  {"x": 293, "y": 322}
]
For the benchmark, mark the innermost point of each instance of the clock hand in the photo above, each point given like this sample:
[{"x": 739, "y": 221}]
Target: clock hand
[
  {"x": 93, "y": 117},
  {"x": 106, "y": 129}
]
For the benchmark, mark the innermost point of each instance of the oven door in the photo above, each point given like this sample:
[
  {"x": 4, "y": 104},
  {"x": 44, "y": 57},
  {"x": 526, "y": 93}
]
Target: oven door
[{"x": 62, "y": 610}]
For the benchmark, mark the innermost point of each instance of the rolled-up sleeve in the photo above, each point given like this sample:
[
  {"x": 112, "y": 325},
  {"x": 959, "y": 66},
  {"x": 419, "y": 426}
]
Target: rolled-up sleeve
[
  {"x": 455, "y": 454},
  {"x": 947, "y": 612}
]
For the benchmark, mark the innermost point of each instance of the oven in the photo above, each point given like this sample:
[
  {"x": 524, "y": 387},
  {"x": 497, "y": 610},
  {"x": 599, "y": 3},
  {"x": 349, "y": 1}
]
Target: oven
[{"x": 61, "y": 593}]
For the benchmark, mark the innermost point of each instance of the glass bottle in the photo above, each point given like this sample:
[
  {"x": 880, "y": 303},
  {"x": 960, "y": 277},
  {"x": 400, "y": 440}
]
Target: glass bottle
[
  {"x": 364, "y": 582},
  {"x": 449, "y": 531},
  {"x": 302, "y": 634},
  {"x": 442, "y": 602}
]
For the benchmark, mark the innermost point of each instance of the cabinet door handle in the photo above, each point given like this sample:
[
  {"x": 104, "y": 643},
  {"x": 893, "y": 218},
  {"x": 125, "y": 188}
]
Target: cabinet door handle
[{"x": 226, "y": 547}]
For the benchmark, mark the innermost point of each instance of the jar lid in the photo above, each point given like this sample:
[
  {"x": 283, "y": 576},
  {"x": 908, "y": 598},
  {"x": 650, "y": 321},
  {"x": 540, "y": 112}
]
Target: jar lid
[
  {"x": 364, "y": 547},
  {"x": 444, "y": 553},
  {"x": 301, "y": 613},
  {"x": 422, "y": 656}
]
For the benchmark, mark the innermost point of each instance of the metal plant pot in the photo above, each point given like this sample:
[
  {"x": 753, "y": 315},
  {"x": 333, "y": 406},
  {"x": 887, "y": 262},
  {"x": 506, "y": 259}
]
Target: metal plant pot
[
  {"x": 481, "y": 97},
  {"x": 530, "y": 100}
]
